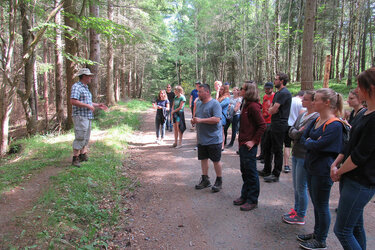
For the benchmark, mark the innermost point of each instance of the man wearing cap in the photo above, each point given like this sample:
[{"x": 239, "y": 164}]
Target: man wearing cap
[
  {"x": 193, "y": 97},
  {"x": 267, "y": 102},
  {"x": 83, "y": 107}
]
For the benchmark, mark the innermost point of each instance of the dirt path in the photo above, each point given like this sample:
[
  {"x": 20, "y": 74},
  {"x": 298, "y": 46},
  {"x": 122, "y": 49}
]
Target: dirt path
[{"x": 168, "y": 213}]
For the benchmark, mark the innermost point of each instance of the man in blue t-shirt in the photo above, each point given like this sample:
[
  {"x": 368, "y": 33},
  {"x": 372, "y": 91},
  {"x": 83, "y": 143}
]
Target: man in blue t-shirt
[
  {"x": 210, "y": 136},
  {"x": 193, "y": 96}
]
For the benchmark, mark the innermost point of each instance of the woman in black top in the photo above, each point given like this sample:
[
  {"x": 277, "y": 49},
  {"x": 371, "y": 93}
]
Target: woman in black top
[
  {"x": 356, "y": 104},
  {"x": 357, "y": 173}
]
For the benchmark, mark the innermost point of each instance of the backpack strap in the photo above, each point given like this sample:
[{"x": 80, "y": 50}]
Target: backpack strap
[{"x": 329, "y": 121}]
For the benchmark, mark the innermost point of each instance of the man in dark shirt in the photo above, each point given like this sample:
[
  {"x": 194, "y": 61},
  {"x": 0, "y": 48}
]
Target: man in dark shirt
[
  {"x": 170, "y": 95},
  {"x": 279, "y": 110}
]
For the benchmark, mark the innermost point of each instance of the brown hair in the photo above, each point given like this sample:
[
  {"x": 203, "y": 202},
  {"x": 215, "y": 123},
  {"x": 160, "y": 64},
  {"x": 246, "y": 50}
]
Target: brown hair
[
  {"x": 335, "y": 99},
  {"x": 310, "y": 93},
  {"x": 366, "y": 79},
  {"x": 251, "y": 92},
  {"x": 165, "y": 97},
  {"x": 225, "y": 94}
]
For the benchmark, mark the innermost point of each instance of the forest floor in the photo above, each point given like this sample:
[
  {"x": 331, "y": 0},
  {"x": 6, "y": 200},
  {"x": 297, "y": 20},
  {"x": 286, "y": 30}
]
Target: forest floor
[{"x": 166, "y": 212}]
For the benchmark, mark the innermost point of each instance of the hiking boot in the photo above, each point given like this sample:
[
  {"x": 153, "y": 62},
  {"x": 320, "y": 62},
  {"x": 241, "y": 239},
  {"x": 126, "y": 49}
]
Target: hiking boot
[
  {"x": 305, "y": 237},
  {"x": 217, "y": 186},
  {"x": 248, "y": 207},
  {"x": 271, "y": 178},
  {"x": 83, "y": 157},
  {"x": 294, "y": 219},
  {"x": 204, "y": 183},
  {"x": 75, "y": 161},
  {"x": 262, "y": 173},
  {"x": 291, "y": 212},
  {"x": 313, "y": 244},
  {"x": 286, "y": 169},
  {"x": 238, "y": 202}
]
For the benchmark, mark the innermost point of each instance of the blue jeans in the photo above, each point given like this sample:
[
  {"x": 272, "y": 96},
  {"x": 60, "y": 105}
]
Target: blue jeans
[
  {"x": 159, "y": 126},
  {"x": 349, "y": 221},
  {"x": 320, "y": 189},
  {"x": 300, "y": 186},
  {"x": 169, "y": 121},
  {"x": 235, "y": 124},
  {"x": 248, "y": 164}
]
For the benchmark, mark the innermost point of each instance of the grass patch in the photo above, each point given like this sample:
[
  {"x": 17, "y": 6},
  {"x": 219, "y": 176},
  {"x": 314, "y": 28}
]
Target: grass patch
[{"x": 82, "y": 203}]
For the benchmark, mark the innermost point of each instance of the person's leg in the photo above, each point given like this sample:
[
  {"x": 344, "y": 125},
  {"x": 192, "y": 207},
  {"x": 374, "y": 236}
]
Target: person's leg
[
  {"x": 321, "y": 188},
  {"x": 162, "y": 130},
  {"x": 82, "y": 130},
  {"x": 301, "y": 186},
  {"x": 234, "y": 129},
  {"x": 180, "y": 137},
  {"x": 294, "y": 176},
  {"x": 250, "y": 188},
  {"x": 277, "y": 149},
  {"x": 157, "y": 127},
  {"x": 176, "y": 131},
  {"x": 227, "y": 124},
  {"x": 349, "y": 221},
  {"x": 204, "y": 166},
  {"x": 267, "y": 152}
]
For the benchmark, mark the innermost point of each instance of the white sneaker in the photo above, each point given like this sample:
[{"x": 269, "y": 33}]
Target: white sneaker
[
  {"x": 179, "y": 146},
  {"x": 161, "y": 142},
  {"x": 157, "y": 141}
]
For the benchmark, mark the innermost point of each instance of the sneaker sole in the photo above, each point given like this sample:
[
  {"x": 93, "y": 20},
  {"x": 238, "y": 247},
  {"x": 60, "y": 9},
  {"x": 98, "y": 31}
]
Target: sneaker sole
[
  {"x": 270, "y": 181},
  {"x": 215, "y": 190},
  {"x": 309, "y": 248},
  {"x": 302, "y": 240},
  {"x": 293, "y": 222},
  {"x": 199, "y": 188}
]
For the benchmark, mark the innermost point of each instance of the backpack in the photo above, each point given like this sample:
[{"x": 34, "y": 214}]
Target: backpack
[{"x": 346, "y": 130}]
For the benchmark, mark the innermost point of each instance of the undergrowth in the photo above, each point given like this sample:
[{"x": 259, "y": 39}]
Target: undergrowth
[{"x": 81, "y": 202}]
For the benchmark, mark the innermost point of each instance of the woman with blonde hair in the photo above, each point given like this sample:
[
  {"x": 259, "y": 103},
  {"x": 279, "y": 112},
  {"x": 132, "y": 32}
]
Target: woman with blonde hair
[
  {"x": 178, "y": 115},
  {"x": 217, "y": 86},
  {"x": 323, "y": 140},
  {"x": 233, "y": 116},
  {"x": 223, "y": 99},
  {"x": 162, "y": 107}
]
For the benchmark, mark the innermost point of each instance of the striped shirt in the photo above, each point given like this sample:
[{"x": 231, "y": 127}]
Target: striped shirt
[{"x": 82, "y": 93}]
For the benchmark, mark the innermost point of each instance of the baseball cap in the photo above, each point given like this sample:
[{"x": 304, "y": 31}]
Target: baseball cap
[
  {"x": 84, "y": 71},
  {"x": 268, "y": 85}
]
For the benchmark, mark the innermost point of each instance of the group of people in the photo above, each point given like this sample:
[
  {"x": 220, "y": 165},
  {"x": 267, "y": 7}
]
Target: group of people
[{"x": 323, "y": 152}]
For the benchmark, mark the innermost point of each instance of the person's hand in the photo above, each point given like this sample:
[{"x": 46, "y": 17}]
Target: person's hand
[
  {"x": 249, "y": 144},
  {"x": 195, "y": 120},
  {"x": 102, "y": 106},
  {"x": 90, "y": 107},
  {"x": 334, "y": 174}
]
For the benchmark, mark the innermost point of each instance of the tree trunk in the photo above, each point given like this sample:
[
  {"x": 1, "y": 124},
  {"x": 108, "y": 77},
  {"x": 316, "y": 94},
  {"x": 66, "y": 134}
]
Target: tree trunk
[
  {"x": 110, "y": 84},
  {"x": 130, "y": 78},
  {"x": 307, "y": 46},
  {"x": 364, "y": 38},
  {"x": 7, "y": 95},
  {"x": 277, "y": 35},
  {"x": 26, "y": 96},
  {"x": 123, "y": 76},
  {"x": 352, "y": 39},
  {"x": 71, "y": 48},
  {"x": 94, "y": 52},
  {"x": 327, "y": 71},
  {"x": 59, "y": 100},
  {"x": 45, "y": 83},
  {"x": 338, "y": 75}
]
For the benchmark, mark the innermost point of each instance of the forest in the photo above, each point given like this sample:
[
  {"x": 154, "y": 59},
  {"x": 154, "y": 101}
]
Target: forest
[{"x": 137, "y": 47}]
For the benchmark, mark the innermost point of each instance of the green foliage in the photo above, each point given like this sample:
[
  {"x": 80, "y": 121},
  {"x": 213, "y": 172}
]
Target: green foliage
[{"x": 82, "y": 202}]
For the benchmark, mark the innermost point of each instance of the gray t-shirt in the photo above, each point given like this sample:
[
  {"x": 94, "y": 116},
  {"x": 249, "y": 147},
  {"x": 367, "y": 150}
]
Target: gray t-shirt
[{"x": 209, "y": 134}]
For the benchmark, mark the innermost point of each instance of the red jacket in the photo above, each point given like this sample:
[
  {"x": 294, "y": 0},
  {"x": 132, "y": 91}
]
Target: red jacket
[
  {"x": 267, "y": 102},
  {"x": 252, "y": 124}
]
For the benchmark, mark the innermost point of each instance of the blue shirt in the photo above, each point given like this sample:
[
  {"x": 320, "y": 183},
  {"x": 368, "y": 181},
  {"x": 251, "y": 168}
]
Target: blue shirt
[
  {"x": 82, "y": 93},
  {"x": 194, "y": 94},
  {"x": 224, "y": 106},
  {"x": 209, "y": 134},
  {"x": 322, "y": 147}
]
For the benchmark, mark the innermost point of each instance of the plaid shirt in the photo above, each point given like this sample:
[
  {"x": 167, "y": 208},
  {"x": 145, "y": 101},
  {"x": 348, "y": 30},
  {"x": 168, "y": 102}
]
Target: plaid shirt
[{"x": 82, "y": 93}]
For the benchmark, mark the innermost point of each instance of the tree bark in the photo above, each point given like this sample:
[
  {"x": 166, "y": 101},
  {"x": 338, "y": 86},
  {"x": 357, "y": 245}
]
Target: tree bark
[
  {"x": 110, "y": 84},
  {"x": 59, "y": 99},
  {"x": 307, "y": 46},
  {"x": 71, "y": 48},
  {"x": 94, "y": 52},
  {"x": 45, "y": 83},
  {"x": 338, "y": 75},
  {"x": 327, "y": 71},
  {"x": 352, "y": 39}
]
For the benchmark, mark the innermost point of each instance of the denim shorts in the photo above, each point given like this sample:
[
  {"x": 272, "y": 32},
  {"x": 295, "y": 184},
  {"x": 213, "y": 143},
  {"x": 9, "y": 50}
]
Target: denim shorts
[{"x": 82, "y": 130}]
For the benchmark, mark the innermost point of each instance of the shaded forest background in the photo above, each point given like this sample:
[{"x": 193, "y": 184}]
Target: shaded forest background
[{"x": 137, "y": 47}]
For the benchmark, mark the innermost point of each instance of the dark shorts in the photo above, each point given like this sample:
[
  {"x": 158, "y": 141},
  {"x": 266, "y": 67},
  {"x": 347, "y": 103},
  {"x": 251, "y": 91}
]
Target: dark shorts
[
  {"x": 287, "y": 139},
  {"x": 212, "y": 152}
]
